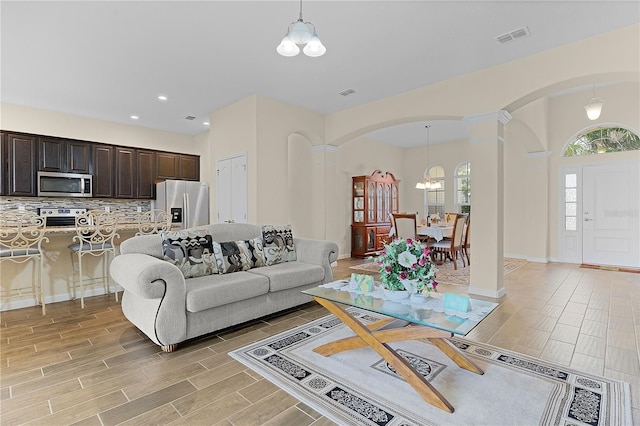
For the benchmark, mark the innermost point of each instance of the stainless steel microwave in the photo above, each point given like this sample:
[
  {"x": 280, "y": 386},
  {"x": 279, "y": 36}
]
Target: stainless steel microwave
[{"x": 54, "y": 184}]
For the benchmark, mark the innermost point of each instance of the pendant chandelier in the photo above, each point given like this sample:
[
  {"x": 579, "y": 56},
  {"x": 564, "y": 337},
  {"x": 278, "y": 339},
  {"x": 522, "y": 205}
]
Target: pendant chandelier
[
  {"x": 594, "y": 107},
  {"x": 301, "y": 33},
  {"x": 427, "y": 183}
]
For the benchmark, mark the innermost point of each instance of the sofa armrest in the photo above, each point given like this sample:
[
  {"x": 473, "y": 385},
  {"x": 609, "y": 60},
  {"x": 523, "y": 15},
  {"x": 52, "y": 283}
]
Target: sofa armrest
[
  {"x": 146, "y": 276},
  {"x": 158, "y": 296},
  {"x": 317, "y": 252}
]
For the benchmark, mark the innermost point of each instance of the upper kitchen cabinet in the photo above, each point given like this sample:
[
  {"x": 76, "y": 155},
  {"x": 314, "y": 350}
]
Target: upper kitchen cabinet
[
  {"x": 103, "y": 171},
  {"x": 135, "y": 173},
  {"x": 61, "y": 155},
  {"x": 146, "y": 174},
  {"x": 177, "y": 166},
  {"x": 167, "y": 165},
  {"x": 21, "y": 156},
  {"x": 190, "y": 167},
  {"x": 125, "y": 178}
]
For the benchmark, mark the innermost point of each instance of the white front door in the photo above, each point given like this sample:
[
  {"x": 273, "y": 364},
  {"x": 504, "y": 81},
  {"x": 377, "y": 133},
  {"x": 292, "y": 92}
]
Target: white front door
[
  {"x": 231, "y": 189},
  {"x": 610, "y": 214}
]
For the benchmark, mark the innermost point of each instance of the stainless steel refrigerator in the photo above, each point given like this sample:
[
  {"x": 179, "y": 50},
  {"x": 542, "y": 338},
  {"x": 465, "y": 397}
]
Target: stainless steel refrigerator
[{"x": 186, "y": 201}]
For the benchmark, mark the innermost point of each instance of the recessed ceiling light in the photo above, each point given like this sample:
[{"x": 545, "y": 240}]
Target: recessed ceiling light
[
  {"x": 206, "y": 123},
  {"x": 134, "y": 117},
  {"x": 163, "y": 98}
]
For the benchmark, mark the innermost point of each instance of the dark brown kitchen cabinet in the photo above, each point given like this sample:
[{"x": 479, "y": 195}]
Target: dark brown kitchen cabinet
[
  {"x": 146, "y": 174},
  {"x": 167, "y": 165},
  {"x": 61, "y": 155},
  {"x": 125, "y": 178},
  {"x": 189, "y": 167},
  {"x": 177, "y": 166},
  {"x": 103, "y": 171},
  {"x": 21, "y": 156},
  {"x": 117, "y": 171}
]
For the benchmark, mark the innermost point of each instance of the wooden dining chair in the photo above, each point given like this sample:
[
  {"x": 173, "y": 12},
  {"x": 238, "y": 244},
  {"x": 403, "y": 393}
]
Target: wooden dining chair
[
  {"x": 452, "y": 248},
  {"x": 405, "y": 225},
  {"x": 467, "y": 242}
]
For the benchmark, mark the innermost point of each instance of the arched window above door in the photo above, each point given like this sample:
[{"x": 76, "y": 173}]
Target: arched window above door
[{"x": 602, "y": 140}]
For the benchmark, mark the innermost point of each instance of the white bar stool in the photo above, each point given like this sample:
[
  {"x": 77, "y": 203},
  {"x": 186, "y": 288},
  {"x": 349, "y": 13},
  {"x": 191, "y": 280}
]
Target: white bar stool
[
  {"x": 153, "y": 222},
  {"x": 96, "y": 233},
  {"x": 21, "y": 236}
]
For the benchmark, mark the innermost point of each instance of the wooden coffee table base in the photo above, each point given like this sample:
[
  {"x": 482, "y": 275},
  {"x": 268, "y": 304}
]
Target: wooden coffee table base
[{"x": 378, "y": 334}]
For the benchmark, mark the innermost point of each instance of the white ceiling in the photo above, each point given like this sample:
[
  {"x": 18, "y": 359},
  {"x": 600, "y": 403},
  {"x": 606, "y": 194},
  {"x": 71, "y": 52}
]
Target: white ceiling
[{"x": 110, "y": 59}]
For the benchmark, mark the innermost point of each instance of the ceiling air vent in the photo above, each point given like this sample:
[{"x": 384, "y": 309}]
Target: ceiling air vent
[
  {"x": 189, "y": 117},
  {"x": 347, "y": 92},
  {"x": 513, "y": 35}
]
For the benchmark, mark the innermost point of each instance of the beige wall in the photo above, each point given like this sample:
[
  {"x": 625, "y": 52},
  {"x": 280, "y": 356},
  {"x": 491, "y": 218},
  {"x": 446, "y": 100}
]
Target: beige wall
[
  {"x": 276, "y": 121},
  {"x": 51, "y": 123},
  {"x": 233, "y": 131}
]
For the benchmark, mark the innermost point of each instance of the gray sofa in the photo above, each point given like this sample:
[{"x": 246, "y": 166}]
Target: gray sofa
[{"x": 170, "y": 309}]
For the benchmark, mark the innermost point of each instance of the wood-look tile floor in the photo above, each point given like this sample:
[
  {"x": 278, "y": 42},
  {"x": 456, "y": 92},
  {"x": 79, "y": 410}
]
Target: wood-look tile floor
[{"x": 92, "y": 367}]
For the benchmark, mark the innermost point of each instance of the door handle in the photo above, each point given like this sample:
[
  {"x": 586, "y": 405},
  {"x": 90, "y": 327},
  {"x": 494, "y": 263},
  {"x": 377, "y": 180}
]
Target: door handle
[{"x": 586, "y": 219}]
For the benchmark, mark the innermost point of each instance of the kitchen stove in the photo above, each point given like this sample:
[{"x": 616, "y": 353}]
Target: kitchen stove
[{"x": 61, "y": 216}]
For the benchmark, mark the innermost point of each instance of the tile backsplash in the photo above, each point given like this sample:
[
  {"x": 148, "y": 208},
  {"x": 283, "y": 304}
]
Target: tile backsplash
[{"x": 128, "y": 207}]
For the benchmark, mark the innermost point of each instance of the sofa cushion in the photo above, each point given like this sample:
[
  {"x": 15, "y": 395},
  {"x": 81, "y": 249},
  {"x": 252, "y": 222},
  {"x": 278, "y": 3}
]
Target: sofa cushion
[
  {"x": 216, "y": 290},
  {"x": 278, "y": 244},
  {"x": 234, "y": 256},
  {"x": 191, "y": 250},
  {"x": 290, "y": 275}
]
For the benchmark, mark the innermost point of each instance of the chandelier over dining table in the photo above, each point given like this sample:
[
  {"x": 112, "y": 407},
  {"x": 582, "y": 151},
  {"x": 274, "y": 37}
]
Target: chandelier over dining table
[{"x": 427, "y": 183}]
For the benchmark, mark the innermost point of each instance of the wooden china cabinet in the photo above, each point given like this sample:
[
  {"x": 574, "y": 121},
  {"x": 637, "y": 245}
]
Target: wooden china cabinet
[{"x": 373, "y": 200}]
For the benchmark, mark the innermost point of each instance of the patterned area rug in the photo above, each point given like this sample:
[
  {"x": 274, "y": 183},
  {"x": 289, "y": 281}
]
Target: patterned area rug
[
  {"x": 357, "y": 387},
  {"x": 446, "y": 274}
]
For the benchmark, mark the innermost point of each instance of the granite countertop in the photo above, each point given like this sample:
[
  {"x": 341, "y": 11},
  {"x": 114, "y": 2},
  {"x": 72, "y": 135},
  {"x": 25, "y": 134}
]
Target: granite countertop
[{"x": 71, "y": 230}]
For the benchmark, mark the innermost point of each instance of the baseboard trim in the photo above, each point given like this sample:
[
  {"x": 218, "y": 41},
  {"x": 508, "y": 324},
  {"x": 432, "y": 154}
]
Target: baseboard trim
[
  {"x": 27, "y": 302},
  {"x": 479, "y": 291}
]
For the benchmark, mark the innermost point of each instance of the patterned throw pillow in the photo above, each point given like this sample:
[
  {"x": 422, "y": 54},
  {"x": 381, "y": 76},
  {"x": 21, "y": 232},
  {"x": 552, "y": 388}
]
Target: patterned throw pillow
[
  {"x": 191, "y": 251},
  {"x": 278, "y": 244},
  {"x": 233, "y": 256}
]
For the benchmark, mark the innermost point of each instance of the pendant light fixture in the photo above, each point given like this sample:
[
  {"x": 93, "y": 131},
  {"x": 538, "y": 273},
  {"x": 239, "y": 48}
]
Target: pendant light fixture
[
  {"x": 594, "y": 107},
  {"x": 427, "y": 183},
  {"x": 301, "y": 33}
]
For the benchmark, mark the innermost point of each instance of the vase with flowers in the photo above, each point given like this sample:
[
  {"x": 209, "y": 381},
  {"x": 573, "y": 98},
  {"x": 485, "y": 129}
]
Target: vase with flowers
[{"x": 406, "y": 265}]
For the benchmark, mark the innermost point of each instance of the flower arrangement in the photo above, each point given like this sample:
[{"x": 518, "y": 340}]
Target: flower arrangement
[{"x": 407, "y": 265}]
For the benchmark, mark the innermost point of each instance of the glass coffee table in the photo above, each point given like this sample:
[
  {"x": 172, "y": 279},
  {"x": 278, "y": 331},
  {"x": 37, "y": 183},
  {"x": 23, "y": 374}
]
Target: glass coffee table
[{"x": 404, "y": 322}]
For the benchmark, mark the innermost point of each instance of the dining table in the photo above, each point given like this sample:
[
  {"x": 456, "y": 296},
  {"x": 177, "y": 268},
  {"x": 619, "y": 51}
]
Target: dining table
[{"x": 437, "y": 232}]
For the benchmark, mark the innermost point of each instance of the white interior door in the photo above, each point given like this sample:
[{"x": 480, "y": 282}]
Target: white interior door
[
  {"x": 231, "y": 189},
  {"x": 239, "y": 189},
  {"x": 610, "y": 214}
]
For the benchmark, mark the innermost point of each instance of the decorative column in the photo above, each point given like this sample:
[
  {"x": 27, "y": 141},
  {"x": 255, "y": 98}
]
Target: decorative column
[{"x": 487, "y": 203}]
